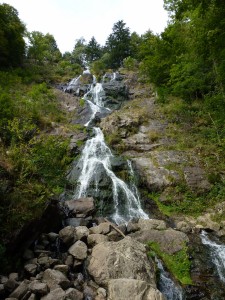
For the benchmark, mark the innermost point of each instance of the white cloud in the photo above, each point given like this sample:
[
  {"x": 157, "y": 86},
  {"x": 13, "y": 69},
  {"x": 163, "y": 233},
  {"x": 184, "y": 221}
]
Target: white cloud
[{"x": 68, "y": 20}]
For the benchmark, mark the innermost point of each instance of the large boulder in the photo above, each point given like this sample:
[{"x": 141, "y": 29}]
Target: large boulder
[
  {"x": 54, "y": 279},
  {"x": 67, "y": 235},
  {"x": 21, "y": 290},
  {"x": 56, "y": 294},
  {"x": 78, "y": 250},
  {"x": 96, "y": 238},
  {"x": 169, "y": 240},
  {"x": 84, "y": 206},
  {"x": 124, "y": 259},
  {"x": 73, "y": 294},
  {"x": 38, "y": 287},
  {"x": 123, "y": 289},
  {"x": 149, "y": 224}
]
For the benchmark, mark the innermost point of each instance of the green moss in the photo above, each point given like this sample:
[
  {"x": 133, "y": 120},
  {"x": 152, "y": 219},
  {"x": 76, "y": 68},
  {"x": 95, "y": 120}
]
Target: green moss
[
  {"x": 82, "y": 102},
  {"x": 178, "y": 264},
  {"x": 182, "y": 200},
  {"x": 80, "y": 143}
]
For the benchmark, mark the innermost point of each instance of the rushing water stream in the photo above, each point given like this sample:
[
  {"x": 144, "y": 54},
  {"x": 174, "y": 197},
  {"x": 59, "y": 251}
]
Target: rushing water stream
[
  {"x": 217, "y": 253},
  {"x": 167, "y": 286}
]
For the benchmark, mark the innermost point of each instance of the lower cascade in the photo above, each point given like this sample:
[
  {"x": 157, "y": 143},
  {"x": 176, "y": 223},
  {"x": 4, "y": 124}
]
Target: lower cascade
[
  {"x": 167, "y": 286},
  {"x": 217, "y": 253}
]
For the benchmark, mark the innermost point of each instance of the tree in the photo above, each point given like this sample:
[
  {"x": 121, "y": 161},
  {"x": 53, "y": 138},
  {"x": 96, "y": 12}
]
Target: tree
[
  {"x": 78, "y": 53},
  {"x": 200, "y": 44},
  {"x": 154, "y": 54},
  {"x": 93, "y": 50},
  {"x": 43, "y": 48},
  {"x": 118, "y": 44},
  {"x": 135, "y": 42},
  {"x": 12, "y": 30}
]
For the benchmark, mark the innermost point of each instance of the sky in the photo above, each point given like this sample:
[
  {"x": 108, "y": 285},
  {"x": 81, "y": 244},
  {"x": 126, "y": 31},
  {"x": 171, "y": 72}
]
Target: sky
[{"x": 69, "y": 20}]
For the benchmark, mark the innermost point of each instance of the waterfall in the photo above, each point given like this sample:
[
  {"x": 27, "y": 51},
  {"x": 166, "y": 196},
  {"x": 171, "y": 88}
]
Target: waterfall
[
  {"x": 217, "y": 253},
  {"x": 167, "y": 286},
  {"x": 96, "y": 156},
  {"x": 134, "y": 189},
  {"x": 73, "y": 85},
  {"x": 113, "y": 76}
]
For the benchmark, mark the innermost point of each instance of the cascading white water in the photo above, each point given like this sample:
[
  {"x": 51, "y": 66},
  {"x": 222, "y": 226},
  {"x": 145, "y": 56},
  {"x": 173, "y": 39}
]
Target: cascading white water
[
  {"x": 113, "y": 76},
  {"x": 167, "y": 286},
  {"x": 94, "y": 98},
  {"x": 73, "y": 85},
  {"x": 134, "y": 189},
  {"x": 97, "y": 155},
  {"x": 217, "y": 253}
]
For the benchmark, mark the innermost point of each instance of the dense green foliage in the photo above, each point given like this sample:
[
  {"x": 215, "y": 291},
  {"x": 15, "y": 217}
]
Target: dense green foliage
[
  {"x": 32, "y": 162},
  {"x": 12, "y": 30},
  {"x": 43, "y": 48}
]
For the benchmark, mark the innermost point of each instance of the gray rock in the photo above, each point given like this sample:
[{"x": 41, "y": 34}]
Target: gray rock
[
  {"x": 55, "y": 278},
  {"x": 14, "y": 276},
  {"x": 101, "y": 291},
  {"x": 81, "y": 232},
  {"x": 73, "y": 294},
  {"x": 10, "y": 285},
  {"x": 2, "y": 289},
  {"x": 83, "y": 206},
  {"x": 156, "y": 177},
  {"x": 153, "y": 294},
  {"x": 89, "y": 292},
  {"x": 32, "y": 297},
  {"x": 183, "y": 226},
  {"x": 169, "y": 240},
  {"x": 31, "y": 269},
  {"x": 151, "y": 224},
  {"x": 21, "y": 290},
  {"x": 53, "y": 236},
  {"x": 56, "y": 294},
  {"x": 45, "y": 261},
  {"x": 123, "y": 289},
  {"x": 196, "y": 179},
  {"x": 62, "y": 268},
  {"x": 132, "y": 227},
  {"x": 69, "y": 260},
  {"x": 67, "y": 235},
  {"x": 78, "y": 250},
  {"x": 94, "y": 239},
  {"x": 124, "y": 259},
  {"x": 38, "y": 287},
  {"x": 102, "y": 228},
  {"x": 3, "y": 279}
]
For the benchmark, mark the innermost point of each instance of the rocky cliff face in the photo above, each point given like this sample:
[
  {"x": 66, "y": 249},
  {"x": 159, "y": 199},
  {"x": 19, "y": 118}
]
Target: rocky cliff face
[{"x": 92, "y": 259}]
